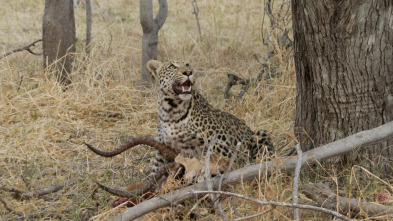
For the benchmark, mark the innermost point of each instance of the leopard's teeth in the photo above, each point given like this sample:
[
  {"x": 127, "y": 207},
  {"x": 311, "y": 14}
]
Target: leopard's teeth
[{"x": 184, "y": 90}]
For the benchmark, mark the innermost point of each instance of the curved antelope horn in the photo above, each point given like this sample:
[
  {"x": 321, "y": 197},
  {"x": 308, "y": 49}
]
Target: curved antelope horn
[
  {"x": 128, "y": 194},
  {"x": 145, "y": 188},
  {"x": 162, "y": 148}
]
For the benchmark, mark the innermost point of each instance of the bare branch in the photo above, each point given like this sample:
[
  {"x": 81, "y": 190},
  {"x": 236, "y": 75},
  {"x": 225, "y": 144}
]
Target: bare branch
[
  {"x": 207, "y": 160},
  {"x": 15, "y": 191},
  {"x": 213, "y": 197},
  {"x": 262, "y": 203},
  {"x": 270, "y": 13},
  {"x": 19, "y": 194},
  {"x": 285, "y": 164},
  {"x": 321, "y": 194},
  {"x": 196, "y": 12},
  {"x": 161, "y": 14},
  {"x": 296, "y": 182},
  {"x": 234, "y": 80},
  {"x": 255, "y": 215},
  {"x": 27, "y": 48},
  {"x": 45, "y": 191}
]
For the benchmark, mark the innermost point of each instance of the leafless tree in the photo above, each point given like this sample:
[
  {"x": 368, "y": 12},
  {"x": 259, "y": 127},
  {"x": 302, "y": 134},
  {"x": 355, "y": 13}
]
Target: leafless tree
[
  {"x": 344, "y": 63},
  {"x": 59, "y": 38},
  {"x": 150, "y": 28}
]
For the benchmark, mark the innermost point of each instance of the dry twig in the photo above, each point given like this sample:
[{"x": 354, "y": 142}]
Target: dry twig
[
  {"x": 262, "y": 203},
  {"x": 19, "y": 194},
  {"x": 27, "y": 48},
  {"x": 321, "y": 194},
  {"x": 196, "y": 12},
  {"x": 213, "y": 197},
  {"x": 296, "y": 182}
]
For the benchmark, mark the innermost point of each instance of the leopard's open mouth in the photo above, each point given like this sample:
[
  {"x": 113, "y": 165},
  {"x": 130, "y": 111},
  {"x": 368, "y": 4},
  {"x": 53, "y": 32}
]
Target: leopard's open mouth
[{"x": 184, "y": 88}]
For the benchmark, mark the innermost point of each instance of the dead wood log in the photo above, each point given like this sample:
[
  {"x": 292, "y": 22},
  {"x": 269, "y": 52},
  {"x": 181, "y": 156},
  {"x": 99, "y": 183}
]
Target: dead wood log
[
  {"x": 326, "y": 198},
  {"x": 285, "y": 164}
]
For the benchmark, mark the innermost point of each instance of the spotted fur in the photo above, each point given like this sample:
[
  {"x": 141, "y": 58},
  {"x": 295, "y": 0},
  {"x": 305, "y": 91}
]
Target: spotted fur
[{"x": 187, "y": 122}]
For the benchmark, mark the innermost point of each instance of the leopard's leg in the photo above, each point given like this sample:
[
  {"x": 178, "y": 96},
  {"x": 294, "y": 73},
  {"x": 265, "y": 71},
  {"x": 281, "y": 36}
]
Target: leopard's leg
[
  {"x": 263, "y": 139},
  {"x": 158, "y": 163}
]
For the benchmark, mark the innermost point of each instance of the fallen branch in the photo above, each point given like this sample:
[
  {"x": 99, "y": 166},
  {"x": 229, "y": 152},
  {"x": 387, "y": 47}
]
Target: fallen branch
[
  {"x": 27, "y": 48},
  {"x": 19, "y": 194},
  {"x": 321, "y": 194},
  {"x": 263, "y": 203},
  {"x": 251, "y": 172},
  {"x": 213, "y": 197}
]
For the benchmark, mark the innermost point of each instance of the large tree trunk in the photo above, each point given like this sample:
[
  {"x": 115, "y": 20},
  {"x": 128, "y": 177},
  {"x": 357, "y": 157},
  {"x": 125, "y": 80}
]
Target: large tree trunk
[
  {"x": 59, "y": 38},
  {"x": 150, "y": 29},
  {"x": 344, "y": 68}
]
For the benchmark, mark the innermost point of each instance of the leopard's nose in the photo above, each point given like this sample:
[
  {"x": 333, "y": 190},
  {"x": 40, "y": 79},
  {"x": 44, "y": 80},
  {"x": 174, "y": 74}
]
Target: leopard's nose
[{"x": 187, "y": 73}]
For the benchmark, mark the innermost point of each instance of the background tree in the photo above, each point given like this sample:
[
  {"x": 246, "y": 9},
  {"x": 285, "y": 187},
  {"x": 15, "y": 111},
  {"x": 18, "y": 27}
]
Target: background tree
[
  {"x": 150, "y": 28},
  {"x": 344, "y": 65},
  {"x": 88, "y": 26},
  {"x": 59, "y": 37}
]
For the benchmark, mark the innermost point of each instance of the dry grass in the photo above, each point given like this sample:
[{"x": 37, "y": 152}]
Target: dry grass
[{"x": 42, "y": 128}]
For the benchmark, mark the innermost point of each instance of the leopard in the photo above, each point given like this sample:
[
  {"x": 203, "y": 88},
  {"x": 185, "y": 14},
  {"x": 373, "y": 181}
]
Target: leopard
[{"x": 187, "y": 123}]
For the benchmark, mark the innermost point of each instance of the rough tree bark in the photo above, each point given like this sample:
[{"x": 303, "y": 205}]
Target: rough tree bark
[
  {"x": 344, "y": 65},
  {"x": 150, "y": 29},
  {"x": 59, "y": 38},
  {"x": 88, "y": 26}
]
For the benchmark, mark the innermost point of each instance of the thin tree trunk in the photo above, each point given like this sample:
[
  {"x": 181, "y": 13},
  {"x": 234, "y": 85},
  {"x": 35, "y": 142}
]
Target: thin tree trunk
[
  {"x": 59, "y": 38},
  {"x": 88, "y": 26},
  {"x": 344, "y": 65},
  {"x": 150, "y": 29}
]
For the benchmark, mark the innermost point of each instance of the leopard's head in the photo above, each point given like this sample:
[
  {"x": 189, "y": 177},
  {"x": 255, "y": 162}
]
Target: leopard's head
[{"x": 175, "y": 78}]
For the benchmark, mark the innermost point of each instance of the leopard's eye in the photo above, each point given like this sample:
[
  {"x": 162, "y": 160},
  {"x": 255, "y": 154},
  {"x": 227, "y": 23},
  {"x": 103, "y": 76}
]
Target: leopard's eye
[
  {"x": 172, "y": 66},
  {"x": 187, "y": 65}
]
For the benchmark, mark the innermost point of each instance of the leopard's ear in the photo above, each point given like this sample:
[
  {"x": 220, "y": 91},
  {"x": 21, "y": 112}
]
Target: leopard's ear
[{"x": 153, "y": 66}]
